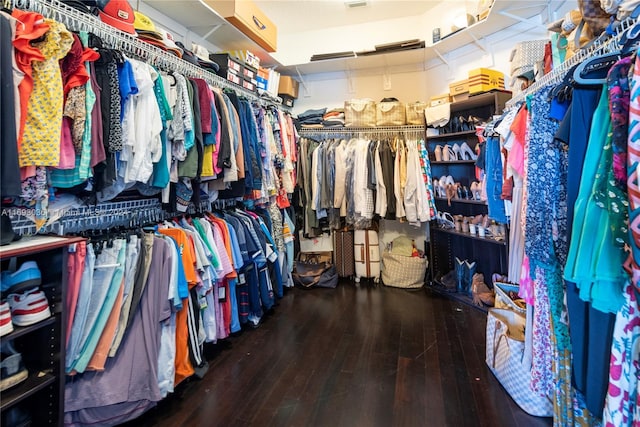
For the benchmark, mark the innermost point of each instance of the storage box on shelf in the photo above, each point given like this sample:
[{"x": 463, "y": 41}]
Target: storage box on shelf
[
  {"x": 436, "y": 100},
  {"x": 288, "y": 87},
  {"x": 249, "y": 19},
  {"x": 488, "y": 251},
  {"x": 459, "y": 90},
  {"x": 483, "y": 80},
  {"x": 41, "y": 344}
]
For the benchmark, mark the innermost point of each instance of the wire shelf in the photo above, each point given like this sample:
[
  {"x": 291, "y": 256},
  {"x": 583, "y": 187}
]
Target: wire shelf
[{"x": 132, "y": 46}]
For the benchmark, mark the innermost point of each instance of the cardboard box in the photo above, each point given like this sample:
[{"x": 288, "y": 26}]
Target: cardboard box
[
  {"x": 483, "y": 80},
  {"x": 322, "y": 243},
  {"x": 439, "y": 99},
  {"x": 459, "y": 90},
  {"x": 288, "y": 86}
]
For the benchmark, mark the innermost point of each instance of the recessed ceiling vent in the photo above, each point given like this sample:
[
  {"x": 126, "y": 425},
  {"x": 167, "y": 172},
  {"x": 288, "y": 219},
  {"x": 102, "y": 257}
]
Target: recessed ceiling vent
[{"x": 355, "y": 3}]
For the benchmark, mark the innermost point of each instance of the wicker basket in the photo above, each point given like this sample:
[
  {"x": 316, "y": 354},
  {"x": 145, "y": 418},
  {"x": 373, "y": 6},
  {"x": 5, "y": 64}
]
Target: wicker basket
[
  {"x": 415, "y": 113},
  {"x": 360, "y": 113},
  {"x": 391, "y": 113}
]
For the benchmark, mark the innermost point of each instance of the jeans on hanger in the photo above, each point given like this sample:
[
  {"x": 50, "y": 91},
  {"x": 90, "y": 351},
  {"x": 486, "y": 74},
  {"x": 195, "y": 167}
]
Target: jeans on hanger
[{"x": 493, "y": 164}]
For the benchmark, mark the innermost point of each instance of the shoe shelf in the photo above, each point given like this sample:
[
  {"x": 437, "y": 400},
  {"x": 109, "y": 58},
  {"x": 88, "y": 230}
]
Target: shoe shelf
[
  {"x": 470, "y": 236},
  {"x": 19, "y": 331},
  {"x": 454, "y": 162},
  {"x": 440, "y": 289},
  {"x": 452, "y": 135},
  {"x": 35, "y": 244},
  {"x": 468, "y": 201},
  {"x": 33, "y": 384}
]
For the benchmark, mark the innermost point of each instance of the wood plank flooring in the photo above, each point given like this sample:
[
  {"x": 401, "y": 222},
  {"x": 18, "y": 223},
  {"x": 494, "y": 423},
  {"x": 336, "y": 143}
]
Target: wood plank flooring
[{"x": 362, "y": 356}]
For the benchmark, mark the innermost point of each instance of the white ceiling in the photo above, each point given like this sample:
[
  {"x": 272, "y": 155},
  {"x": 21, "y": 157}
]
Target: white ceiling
[
  {"x": 308, "y": 27},
  {"x": 293, "y": 16}
]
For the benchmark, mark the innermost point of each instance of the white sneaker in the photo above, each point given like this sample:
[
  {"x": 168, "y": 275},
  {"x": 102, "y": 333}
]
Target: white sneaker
[
  {"x": 29, "y": 308},
  {"x": 6, "y": 326}
]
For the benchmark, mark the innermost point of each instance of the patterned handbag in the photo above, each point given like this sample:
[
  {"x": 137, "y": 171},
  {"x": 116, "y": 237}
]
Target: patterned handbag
[
  {"x": 415, "y": 113},
  {"x": 390, "y": 113},
  {"x": 504, "y": 356},
  {"x": 401, "y": 271},
  {"x": 360, "y": 113}
]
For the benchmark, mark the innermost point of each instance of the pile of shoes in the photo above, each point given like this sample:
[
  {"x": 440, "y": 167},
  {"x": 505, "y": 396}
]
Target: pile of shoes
[
  {"x": 459, "y": 123},
  {"x": 23, "y": 303},
  {"x": 478, "y": 225},
  {"x": 446, "y": 188},
  {"x": 453, "y": 153}
]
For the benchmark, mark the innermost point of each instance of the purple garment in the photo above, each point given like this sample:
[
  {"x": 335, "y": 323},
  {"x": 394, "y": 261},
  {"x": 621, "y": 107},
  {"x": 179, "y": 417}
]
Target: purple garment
[
  {"x": 97, "y": 144},
  {"x": 129, "y": 384}
]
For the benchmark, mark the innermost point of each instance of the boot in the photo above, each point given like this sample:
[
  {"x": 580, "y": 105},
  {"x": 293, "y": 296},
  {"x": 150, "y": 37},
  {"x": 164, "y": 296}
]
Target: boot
[
  {"x": 470, "y": 270},
  {"x": 460, "y": 275}
]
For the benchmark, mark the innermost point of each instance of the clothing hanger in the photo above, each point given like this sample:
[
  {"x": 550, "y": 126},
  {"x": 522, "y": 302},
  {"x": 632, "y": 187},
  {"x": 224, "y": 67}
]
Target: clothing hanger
[
  {"x": 600, "y": 62},
  {"x": 628, "y": 43}
]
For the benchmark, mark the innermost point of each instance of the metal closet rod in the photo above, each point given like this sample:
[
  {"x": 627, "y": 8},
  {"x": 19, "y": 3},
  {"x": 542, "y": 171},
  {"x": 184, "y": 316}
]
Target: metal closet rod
[
  {"x": 370, "y": 130},
  {"x": 131, "y": 45},
  {"x": 602, "y": 45}
]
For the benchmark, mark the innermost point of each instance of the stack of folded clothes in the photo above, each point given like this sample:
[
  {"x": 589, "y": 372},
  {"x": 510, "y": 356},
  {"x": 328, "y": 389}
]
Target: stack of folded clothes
[
  {"x": 312, "y": 118},
  {"x": 333, "y": 118}
]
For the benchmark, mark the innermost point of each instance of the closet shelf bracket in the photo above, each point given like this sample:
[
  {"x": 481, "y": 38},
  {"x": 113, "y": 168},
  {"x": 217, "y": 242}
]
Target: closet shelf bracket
[
  {"x": 479, "y": 43},
  {"x": 211, "y": 31},
  {"x": 305, "y": 88},
  {"x": 442, "y": 58}
]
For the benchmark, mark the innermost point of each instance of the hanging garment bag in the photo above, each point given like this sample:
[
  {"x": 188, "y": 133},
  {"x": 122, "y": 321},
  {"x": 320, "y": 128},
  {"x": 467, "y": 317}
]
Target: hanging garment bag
[
  {"x": 343, "y": 252},
  {"x": 367, "y": 254}
]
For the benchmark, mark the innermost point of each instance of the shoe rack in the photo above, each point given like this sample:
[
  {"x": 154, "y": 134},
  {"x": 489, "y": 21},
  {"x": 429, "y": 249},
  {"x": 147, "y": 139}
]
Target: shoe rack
[
  {"x": 448, "y": 239},
  {"x": 41, "y": 396}
]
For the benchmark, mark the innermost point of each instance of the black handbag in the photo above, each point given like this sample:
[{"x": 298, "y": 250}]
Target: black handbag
[{"x": 315, "y": 270}]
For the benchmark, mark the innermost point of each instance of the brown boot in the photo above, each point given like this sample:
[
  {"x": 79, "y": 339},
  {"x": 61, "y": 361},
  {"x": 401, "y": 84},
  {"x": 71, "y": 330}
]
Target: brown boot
[{"x": 481, "y": 292}]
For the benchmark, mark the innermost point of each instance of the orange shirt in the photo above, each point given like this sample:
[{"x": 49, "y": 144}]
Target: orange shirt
[{"x": 184, "y": 369}]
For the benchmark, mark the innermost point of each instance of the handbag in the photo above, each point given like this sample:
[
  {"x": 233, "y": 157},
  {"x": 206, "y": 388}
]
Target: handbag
[
  {"x": 401, "y": 271},
  {"x": 415, "y": 113},
  {"x": 507, "y": 297},
  {"x": 504, "y": 356},
  {"x": 360, "y": 113},
  {"x": 314, "y": 269},
  {"x": 594, "y": 16},
  {"x": 390, "y": 112}
]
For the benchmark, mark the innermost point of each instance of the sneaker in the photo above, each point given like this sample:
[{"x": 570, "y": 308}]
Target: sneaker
[
  {"x": 26, "y": 277},
  {"x": 12, "y": 370},
  {"x": 29, "y": 308},
  {"x": 6, "y": 326}
]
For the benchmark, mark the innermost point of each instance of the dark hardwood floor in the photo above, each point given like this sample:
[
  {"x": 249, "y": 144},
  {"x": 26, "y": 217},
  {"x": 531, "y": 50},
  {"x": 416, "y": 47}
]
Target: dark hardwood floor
[{"x": 354, "y": 356}]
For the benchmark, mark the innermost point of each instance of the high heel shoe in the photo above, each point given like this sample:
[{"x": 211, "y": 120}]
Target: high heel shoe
[
  {"x": 437, "y": 152},
  {"x": 457, "y": 155},
  {"x": 447, "y": 153},
  {"x": 446, "y": 220},
  {"x": 442, "y": 186},
  {"x": 459, "y": 192},
  {"x": 464, "y": 124},
  {"x": 466, "y": 153},
  {"x": 449, "y": 180},
  {"x": 458, "y": 222},
  {"x": 465, "y": 193},
  {"x": 475, "y": 193}
]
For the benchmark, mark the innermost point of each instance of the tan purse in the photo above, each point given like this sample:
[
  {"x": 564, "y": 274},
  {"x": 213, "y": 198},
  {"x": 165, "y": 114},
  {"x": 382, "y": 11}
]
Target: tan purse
[
  {"x": 391, "y": 113},
  {"x": 360, "y": 113},
  {"x": 415, "y": 113}
]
